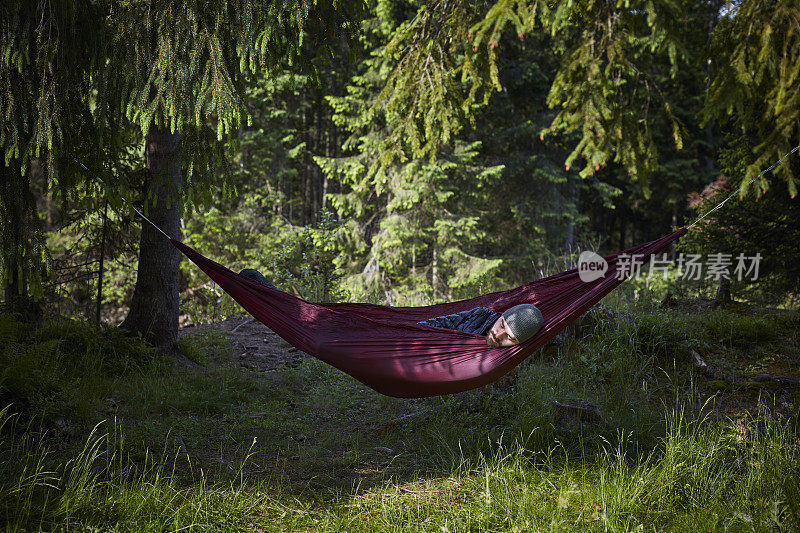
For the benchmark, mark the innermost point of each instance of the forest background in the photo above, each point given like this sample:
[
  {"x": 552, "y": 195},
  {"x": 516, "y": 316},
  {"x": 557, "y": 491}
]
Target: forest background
[
  {"x": 425, "y": 152},
  {"x": 403, "y": 153}
]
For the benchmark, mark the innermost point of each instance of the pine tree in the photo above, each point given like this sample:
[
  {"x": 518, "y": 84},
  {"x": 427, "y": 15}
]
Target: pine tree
[
  {"x": 412, "y": 227},
  {"x": 176, "y": 70},
  {"x": 602, "y": 87},
  {"x": 646, "y": 209},
  {"x": 47, "y": 58},
  {"x": 536, "y": 208},
  {"x": 180, "y": 72},
  {"x": 755, "y": 70},
  {"x": 606, "y": 89}
]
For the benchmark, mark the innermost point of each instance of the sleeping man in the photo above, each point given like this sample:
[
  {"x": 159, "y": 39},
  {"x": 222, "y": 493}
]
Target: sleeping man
[{"x": 513, "y": 326}]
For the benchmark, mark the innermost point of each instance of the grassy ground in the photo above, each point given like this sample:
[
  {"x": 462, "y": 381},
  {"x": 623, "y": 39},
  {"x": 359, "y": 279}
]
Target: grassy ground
[{"x": 101, "y": 433}]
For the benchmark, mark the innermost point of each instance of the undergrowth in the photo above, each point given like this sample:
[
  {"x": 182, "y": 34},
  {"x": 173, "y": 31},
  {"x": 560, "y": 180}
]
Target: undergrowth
[
  {"x": 700, "y": 477},
  {"x": 66, "y": 366},
  {"x": 100, "y": 433}
]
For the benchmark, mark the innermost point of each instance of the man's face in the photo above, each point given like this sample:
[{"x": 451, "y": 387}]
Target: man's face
[{"x": 500, "y": 334}]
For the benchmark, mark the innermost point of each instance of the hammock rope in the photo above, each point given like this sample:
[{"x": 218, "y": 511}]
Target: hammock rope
[
  {"x": 124, "y": 200},
  {"x": 719, "y": 205}
]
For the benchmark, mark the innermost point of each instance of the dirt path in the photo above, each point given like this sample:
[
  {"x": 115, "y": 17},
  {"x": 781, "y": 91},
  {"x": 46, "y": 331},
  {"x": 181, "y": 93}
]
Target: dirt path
[{"x": 255, "y": 346}]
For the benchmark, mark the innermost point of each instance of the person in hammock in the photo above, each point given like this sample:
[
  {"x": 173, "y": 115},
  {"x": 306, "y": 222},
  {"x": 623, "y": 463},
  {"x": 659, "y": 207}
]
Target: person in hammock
[{"x": 513, "y": 326}]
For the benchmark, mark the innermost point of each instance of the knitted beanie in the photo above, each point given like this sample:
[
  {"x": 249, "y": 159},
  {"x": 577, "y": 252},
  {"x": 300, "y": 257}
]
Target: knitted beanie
[{"x": 524, "y": 321}]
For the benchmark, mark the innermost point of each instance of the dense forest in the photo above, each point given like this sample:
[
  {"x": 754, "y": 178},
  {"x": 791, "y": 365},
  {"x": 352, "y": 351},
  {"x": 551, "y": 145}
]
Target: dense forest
[
  {"x": 400, "y": 153},
  {"x": 397, "y": 152}
]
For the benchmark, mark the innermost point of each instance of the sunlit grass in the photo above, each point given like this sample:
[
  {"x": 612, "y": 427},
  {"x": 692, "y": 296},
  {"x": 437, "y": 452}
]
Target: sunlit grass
[
  {"x": 308, "y": 448},
  {"x": 701, "y": 476}
]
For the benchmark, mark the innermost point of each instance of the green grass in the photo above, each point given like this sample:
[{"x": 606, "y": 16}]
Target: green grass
[
  {"x": 699, "y": 478},
  {"x": 102, "y": 434}
]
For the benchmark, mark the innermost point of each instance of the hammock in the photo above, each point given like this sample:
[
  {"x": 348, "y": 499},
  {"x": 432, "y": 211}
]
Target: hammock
[{"x": 387, "y": 350}]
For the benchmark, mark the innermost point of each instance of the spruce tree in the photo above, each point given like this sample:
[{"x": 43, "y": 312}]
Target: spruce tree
[
  {"x": 411, "y": 227},
  {"x": 602, "y": 88},
  {"x": 755, "y": 71},
  {"x": 180, "y": 71},
  {"x": 177, "y": 70},
  {"x": 606, "y": 88},
  {"x": 48, "y": 53}
]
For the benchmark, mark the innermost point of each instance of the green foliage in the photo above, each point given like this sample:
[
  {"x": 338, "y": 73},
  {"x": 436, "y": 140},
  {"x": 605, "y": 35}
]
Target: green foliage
[
  {"x": 179, "y": 67},
  {"x": 766, "y": 225},
  {"x": 75, "y": 246},
  {"x": 65, "y": 366},
  {"x": 607, "y": 80},
  {"x": 307, "y": 264},
  {"x": 739, "y": 329},
  {"x": 427, "y": 206},
  {"x": 49, "y": 85},
  {"x": 607, "y": 86},
  {"x": 524, "y": 207},
  {"x": 45, "y": 82},
  {"x": 299, "y": 260},
  {"x": 186, "y": 68},
  {"x": 423, "y": 100},
  {"x": 412, "y": 228},
  {"x": 304, "y": 447},
  {"x": 21, "y": 239},
  {"x": 603, "y": 85},
  {"x": 755, "y": 59}
]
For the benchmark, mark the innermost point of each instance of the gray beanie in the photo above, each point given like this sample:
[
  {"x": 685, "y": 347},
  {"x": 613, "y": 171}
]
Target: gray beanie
[{"x": 524, "y": 321}]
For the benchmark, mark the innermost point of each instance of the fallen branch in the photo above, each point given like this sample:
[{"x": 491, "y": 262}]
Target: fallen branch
[
  {"x": 723, "y": 380},
  {"x": 242, "y": 324}
]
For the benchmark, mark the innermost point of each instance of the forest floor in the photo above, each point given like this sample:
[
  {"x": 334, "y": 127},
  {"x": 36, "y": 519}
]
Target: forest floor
[
  {"x": 253, "y": 345},
  {"x": 261, "y": 437},
  {"x": 750, "y": 378}
]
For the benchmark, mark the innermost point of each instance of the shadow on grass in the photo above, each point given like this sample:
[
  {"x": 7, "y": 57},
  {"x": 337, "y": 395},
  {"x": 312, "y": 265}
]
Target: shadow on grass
[{"x": 311, "y": 448}]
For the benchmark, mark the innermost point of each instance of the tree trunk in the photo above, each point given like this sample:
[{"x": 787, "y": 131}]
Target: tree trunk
[
  {"x": 102, "y": 258},
  {"x": 723, "y": 290},
  {"x": 328, "y": 153},
  {"x": 17, "y": 207},
  {"x": 305, "y": 183},
  {"x": 317, "y": 193},
  {"x": 571, "y": 239},
  {"x": 154, "y": 308},
  {"x": 435, "y": 271}
]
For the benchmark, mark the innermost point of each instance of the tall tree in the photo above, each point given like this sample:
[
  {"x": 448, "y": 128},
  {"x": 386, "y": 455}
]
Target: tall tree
[
  {"x": 412, "y": 227},
  {"x": 75, "y": 72},
  {"x": 606, "y": 88},
  {"x": 180, "y": 71},
  {"x": 47, "y": 57},
  {"x": 603, "y": 87}
]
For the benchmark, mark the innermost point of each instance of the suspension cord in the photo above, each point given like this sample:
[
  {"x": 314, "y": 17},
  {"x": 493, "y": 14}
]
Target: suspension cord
[
  {"x": 787, "y": 154},
  {"x": 92, "y": 174}
]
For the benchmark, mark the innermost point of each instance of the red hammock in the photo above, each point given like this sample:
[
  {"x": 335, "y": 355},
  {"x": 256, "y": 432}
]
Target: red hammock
[{"x": 385, "y": 348}]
